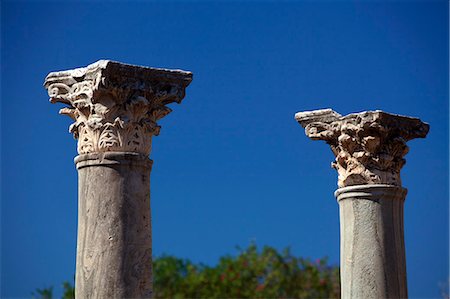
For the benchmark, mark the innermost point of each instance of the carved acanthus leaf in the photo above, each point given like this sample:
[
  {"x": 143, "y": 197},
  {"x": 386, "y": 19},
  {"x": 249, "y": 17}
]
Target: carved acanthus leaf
[
  {"x": 369, "y": 146},
  {"x": 116, "y": 106}
]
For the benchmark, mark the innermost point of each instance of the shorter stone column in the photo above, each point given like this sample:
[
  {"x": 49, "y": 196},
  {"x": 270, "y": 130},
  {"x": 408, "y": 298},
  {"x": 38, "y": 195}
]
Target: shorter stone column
[{"x": 369, "y": 149}]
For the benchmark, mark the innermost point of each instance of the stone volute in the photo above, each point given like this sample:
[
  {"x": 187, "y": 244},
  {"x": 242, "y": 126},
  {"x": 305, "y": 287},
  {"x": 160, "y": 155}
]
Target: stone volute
[
  {"x": 369, "y": 148},
  {"x": 115, "y": 108}
]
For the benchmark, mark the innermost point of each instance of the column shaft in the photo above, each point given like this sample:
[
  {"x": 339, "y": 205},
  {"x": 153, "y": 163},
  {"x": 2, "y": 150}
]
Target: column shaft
[
  {"x": 114, "y": 248},
  {"x": 373, "y": 263}
]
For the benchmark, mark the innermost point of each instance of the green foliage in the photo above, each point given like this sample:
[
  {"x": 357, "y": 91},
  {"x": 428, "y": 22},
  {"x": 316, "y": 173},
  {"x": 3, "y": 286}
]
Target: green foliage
[
  {"x": 44, "y": 293},
  {"x": 250, "y": 274},
  {"x": 68, "y": 292}
]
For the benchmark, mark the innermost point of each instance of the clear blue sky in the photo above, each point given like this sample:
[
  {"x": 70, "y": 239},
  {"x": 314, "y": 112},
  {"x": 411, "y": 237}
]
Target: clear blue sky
[{"x": 231, "y": 164}]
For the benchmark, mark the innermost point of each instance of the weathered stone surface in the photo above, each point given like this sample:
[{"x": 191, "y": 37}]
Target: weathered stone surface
[
  {"x": 114, "y": 244},
  {"x": 369, "y": 149},
  {"x": 116, "y": 106},
  {"x": 373, "y": 263},
  {"x": 369, "y": 146}
]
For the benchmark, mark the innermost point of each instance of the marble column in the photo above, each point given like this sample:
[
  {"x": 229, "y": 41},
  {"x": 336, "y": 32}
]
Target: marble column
[
  {"x": 369, "y": 148},
  {"x": 115, "y": 108}
]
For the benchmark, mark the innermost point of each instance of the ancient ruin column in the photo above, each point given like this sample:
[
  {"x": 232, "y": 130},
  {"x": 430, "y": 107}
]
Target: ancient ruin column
[
  {"x": 369, "y": 149},
  {"x": 115, "y": 107}
]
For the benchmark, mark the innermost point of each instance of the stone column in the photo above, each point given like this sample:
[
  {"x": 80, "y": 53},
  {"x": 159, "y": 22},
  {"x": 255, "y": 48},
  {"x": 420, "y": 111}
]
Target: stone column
[
  {"x": 369, "y": 149},
  {"x": 115, "y": 107}
]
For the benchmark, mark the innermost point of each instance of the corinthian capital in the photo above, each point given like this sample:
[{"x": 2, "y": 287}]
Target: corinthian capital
[
  {"x": 369, "y": 146},
  {"x": 116, "y": 106}
]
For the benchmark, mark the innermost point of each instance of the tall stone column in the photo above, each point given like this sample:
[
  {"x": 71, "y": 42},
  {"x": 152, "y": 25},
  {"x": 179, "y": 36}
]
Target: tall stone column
[
  {"x": 115, "y": 107},
  {"x": 369, "y": 149}
]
